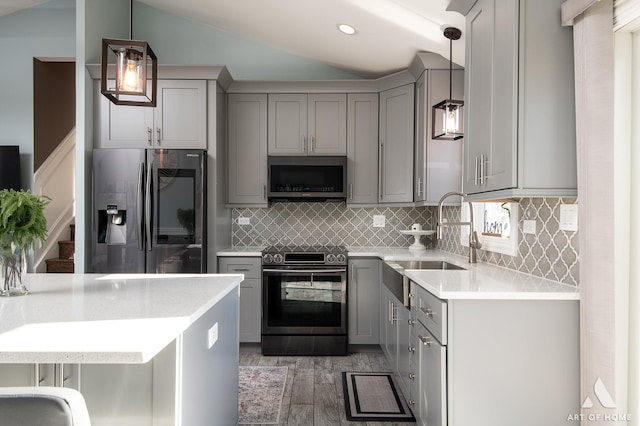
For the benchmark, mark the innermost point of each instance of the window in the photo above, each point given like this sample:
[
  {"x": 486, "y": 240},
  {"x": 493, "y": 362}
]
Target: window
[{"x": 496, "y": 224}]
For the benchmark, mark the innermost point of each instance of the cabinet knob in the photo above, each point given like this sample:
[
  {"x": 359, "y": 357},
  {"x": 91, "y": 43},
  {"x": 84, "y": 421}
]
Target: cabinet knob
[
  {"x": 412, "y": 376},
  {"x": 427, "y": 311},
  {"x": 425, "y": 340},
  {"x": 411, "y": 322},
  {"x": 411, "y": 402},
  {"x": 412, "y": 349}
]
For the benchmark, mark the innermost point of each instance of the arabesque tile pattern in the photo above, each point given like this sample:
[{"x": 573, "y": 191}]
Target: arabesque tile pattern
[{"x": 551, "y": 253}]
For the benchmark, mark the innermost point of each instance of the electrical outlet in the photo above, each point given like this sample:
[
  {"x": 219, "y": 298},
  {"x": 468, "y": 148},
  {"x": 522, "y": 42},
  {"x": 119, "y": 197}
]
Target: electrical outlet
[
  {"x": 569, "y": 217},
  {"x": 212, "y": 336},
  {"x": 379, "y": 221},
  {"x": 244, "y": 221},
  {"x": 529, "y": 227}
]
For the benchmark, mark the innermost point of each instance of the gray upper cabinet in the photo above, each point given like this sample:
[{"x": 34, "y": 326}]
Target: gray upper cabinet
[
  {"x": 396, "y": 144},
  {"x": 519, "y": 101},
  {"x": 247, "y": 155},
  {"x": 178, "y": 121},
  {"x": 362, "y": 148},
  {"x": 301, "y": 124},
  {"x": 438, "y": 163}
]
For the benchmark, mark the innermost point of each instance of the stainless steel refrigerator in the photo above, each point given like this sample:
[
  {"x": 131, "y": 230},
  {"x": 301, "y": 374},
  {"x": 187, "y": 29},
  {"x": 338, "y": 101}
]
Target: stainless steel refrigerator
[{"x": 149, "y": 211}]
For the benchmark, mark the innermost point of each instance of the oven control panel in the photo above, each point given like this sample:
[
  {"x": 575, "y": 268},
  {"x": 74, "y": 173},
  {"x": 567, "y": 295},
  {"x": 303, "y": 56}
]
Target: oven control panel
[{"x": 304, "y": 255}]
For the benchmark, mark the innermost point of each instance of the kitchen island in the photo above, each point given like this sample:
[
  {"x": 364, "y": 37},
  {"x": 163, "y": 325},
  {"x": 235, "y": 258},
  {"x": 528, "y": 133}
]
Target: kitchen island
[{"x": 143, "y": 349}]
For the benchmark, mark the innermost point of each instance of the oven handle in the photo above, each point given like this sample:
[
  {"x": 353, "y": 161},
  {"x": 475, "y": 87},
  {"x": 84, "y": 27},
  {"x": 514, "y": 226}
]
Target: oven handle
[{"x": 305, "y": 271}]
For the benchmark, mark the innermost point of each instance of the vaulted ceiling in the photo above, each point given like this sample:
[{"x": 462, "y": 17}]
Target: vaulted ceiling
[{"x": 388, "y": 32}]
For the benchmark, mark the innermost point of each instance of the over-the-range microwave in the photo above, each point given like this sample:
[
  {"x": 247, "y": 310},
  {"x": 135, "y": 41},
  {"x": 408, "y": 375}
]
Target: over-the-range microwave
[{"x": 307, "y": 178}]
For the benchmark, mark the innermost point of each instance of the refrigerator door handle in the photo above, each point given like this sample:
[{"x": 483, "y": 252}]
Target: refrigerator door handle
[
  {"x": 139, "y": 206},
  {"x": 147, "y": 207}
]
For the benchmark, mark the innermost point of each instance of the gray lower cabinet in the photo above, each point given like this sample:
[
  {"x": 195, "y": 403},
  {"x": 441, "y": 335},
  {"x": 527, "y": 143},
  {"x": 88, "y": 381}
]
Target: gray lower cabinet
[
  {"x": 396, "y": 144},
  {"x": 247, "y": 149},
  {"x": 487, "y": 362},
  {"x": 394, "y": 336},
  {"x": 250, "y": 294},
  {"x": 363, "y": 301}
]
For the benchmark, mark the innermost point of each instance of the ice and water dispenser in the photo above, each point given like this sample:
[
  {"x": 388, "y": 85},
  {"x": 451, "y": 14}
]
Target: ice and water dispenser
[{"x": 112, "y": 219}]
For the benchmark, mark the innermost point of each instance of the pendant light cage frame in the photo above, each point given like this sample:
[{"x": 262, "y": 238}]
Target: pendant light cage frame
[
  {"x": 126, "y": 66},
  {"x": 449, "y": 109}
]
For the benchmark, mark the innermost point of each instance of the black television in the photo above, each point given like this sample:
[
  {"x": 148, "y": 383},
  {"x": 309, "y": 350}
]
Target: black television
[{"x": 10, "y": 167}]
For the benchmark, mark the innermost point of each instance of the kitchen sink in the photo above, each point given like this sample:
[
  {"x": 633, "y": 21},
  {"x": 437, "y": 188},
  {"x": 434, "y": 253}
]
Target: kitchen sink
[{"x": 429, "y": 264}]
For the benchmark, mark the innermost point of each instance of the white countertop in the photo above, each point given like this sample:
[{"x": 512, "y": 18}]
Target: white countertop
[
  {"x": 477, "y": 281},
  {"x": 92, "y": 318}
]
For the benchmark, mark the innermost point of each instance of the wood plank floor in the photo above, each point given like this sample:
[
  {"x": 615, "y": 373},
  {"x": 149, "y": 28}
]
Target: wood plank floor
[{"x": 313, "y": 393}]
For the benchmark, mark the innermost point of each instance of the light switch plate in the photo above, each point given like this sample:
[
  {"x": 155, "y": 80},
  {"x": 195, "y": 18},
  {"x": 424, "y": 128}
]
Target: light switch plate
[
  {"x": 529, "y": 227},
  {"x": 379, "y": 221},
  {"x": 244, "y": 221},
  {"x": 569, "y": 217}
]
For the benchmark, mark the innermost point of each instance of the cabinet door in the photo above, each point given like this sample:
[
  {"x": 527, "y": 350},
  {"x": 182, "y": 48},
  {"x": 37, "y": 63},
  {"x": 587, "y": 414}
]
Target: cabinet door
[
  {"x": 387, "y": 335},
  {"x": 403, "y": 331},
  {"x": 327, "y": 124},
  {"x": 247, "y": 149},
  {"x": 287, "y": 124},
  {"x": 443, "y": 157},
  {"x": 363, "y": 301},
  {"x": 362, "y": 148},
  {"x": 250, "y": 294},
  {"x": 122, "y": 126},
  {"x": 491, "y": 96},
  {"x": 396, "y": 144},
  {"x": 180, "y": 119},
  {"x": 432, "y": 398}
]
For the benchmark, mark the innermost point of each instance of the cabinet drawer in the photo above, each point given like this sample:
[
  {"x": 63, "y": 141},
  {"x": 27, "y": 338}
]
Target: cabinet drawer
[
  {"x": 249, "y": 266},
  {"x": 430, "y": 311}
]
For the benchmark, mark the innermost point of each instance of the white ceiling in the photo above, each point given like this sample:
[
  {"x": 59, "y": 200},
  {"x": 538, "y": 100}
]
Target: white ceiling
[{"x": 389, "y": 32}]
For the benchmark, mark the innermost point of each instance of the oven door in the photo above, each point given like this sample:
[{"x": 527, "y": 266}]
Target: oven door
[{"x": 299, "y": 300}]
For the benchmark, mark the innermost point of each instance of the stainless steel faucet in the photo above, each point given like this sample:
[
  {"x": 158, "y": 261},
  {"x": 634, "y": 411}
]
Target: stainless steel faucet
[{"x": 474, "y": 243}]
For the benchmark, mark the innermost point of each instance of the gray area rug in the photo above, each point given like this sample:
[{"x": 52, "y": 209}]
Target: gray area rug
[
  {"x": 374, "y": 397},
  {"x": 260, "y": 394}
]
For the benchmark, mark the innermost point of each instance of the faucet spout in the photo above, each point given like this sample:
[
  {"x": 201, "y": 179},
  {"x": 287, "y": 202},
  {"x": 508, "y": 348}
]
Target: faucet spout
[{"x": 474, "y": 243}]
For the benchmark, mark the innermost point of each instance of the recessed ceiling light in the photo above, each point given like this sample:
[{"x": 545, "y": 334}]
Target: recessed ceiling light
[{"x": 346, "y": 29}]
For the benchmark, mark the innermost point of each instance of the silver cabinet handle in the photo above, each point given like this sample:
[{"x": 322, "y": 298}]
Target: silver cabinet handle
[
  {"x": 264, "y": 192},
  {"x": 240, "y": 269},
  {"x": 411, "y": 322},
  {"x": 412, "y": 376},
  {"x": 427, "y": 311},
  {"x": 420, "y": 186},
  {"x": 351, "y": 191},
  {"x": 158, "y": 134},
  {"x": 425, "y": 340},
  {"x": 394, "y": 311},
  {"x": 149, "y": 136},
  {"x": 482, "y": 170},
  {"x": 411, "y": 349},
  {"x": 411, "y": 402},
  {"x": 381, "y": 177},
  {"x": 311, "y": 141},
  {"x": 475, "y": 173},
  {"x": 304, "y": 142}
]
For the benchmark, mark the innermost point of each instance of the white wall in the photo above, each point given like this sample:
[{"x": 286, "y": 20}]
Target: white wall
[{"x": 43, "y": 31}]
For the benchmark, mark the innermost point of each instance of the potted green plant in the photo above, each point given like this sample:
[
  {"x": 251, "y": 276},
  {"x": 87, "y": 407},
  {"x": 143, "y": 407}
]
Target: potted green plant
[{"x": 22, "y": 222}]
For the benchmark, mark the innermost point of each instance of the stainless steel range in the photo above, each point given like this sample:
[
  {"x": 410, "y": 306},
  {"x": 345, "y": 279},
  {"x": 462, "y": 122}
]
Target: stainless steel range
[{"x": 304, "y": 294}]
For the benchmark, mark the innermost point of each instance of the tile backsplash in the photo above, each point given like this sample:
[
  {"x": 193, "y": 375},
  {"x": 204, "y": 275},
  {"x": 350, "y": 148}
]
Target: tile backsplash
[{"x": 550, "y": 253}]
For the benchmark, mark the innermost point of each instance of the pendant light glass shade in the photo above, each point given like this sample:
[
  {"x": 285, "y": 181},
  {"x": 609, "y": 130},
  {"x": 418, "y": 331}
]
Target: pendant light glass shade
[
  {"x": 135, "y": 79},
  {"x": 446, "y": 117}
]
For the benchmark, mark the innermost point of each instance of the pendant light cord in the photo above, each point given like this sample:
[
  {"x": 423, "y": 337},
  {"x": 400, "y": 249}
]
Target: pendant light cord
[
  {"x": 130, "y": 19},
  {"x": 450, "y": 68}
]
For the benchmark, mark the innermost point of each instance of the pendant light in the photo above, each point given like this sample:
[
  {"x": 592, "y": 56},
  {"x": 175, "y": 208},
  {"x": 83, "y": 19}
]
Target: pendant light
[
  {"x": 134, "y": 62},
  {"x": 446, "y": 120}
]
